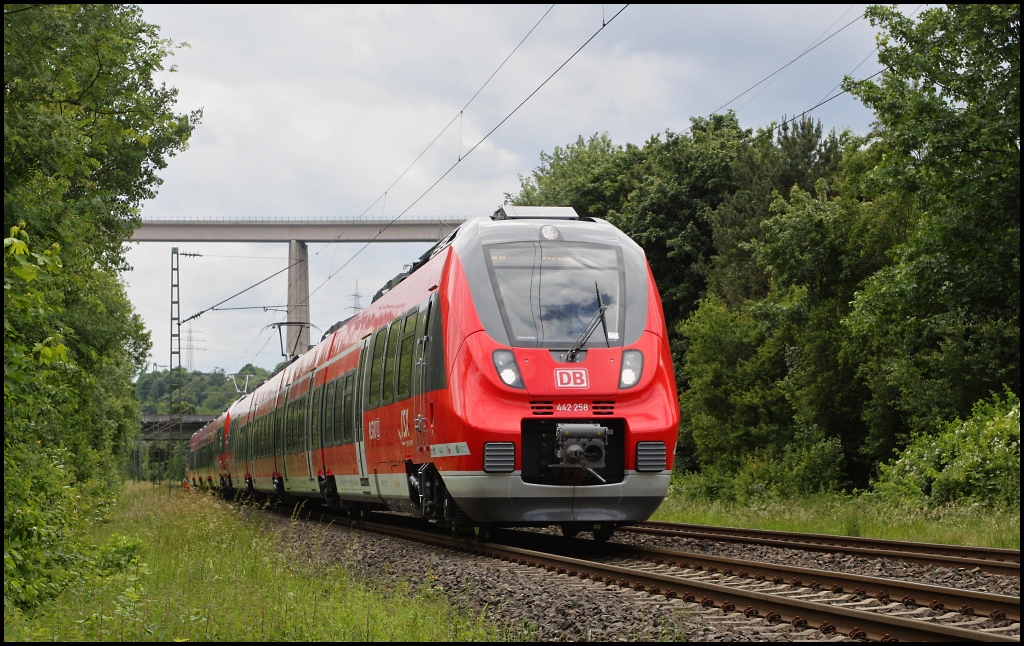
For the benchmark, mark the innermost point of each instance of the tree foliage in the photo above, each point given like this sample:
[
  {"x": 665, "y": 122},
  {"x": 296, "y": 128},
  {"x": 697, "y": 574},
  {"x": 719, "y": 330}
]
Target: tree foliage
[
  {"x": 834, "y": 295},
  {"x": 939, "y": 328},
  {"x": 201, "y": 393},
  {"x": 86, "y": 129},
  {"x": 976, "y": 460},
  {"x": 795, "y": 154}
]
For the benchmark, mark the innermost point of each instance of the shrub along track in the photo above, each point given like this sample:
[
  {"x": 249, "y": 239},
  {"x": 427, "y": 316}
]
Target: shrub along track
[{"x": 758, "y": 598}]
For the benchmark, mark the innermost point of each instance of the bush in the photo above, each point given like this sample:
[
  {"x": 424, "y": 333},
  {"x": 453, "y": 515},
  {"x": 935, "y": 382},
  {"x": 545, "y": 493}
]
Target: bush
[
  {"x": 709, "y": 484},
  {"x": 811, "y": 464},
  {"x": 42, "y": 518},
  {"x": 977, "y": 460}
]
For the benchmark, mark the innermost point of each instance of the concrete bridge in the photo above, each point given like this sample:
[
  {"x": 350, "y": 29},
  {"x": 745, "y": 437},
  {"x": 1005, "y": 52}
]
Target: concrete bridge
[{"x": 297, "y": 232}]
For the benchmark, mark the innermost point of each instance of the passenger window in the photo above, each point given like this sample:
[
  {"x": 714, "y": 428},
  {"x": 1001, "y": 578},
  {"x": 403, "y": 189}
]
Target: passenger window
[
  {"x": 300, "y": 407},
  {"x": 289, "y": 443},
  {"x": 282, "y": 429},
  {"x": 339, "y": 410},
  {"x": 316, "y": 416},
  {"x": 406, "y": 355},
  {"x": 373, "y": 399},
  {"x": 349, "y": 411},
  {"x": 286, "y": 436},
  {"x": 329, "y": 432},
  {"x": 389, "y": 365}
]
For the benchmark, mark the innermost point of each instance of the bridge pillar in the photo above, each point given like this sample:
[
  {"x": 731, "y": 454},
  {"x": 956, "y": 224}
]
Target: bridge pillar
[{"x": 298, "y": 298}]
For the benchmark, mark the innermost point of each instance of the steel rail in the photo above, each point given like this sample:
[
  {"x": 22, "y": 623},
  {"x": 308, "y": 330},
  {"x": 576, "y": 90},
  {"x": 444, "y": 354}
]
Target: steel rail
[
  {"x": 773, "y": 608},
  {"x": 966, "y": 602},
  {"x": 995, "y": 560}
]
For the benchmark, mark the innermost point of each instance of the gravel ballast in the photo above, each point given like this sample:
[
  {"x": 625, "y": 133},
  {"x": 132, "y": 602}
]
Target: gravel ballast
[
  {"x": 530, "y": 603},
  {"x": 534, "y": 604}
]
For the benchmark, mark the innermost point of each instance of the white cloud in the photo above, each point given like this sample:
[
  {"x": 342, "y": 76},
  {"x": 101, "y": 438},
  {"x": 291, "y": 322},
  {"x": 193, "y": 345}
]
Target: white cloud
[{"x": 313, "y": 111}]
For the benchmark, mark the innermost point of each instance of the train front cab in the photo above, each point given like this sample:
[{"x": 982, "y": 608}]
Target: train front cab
[{"x": 553, "y": 438}]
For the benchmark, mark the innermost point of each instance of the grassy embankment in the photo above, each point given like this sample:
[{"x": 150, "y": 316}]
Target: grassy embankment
[
  {"x": 191, "y": 567},
  {"x": 845, "y": 515},
  {"x": 195, "y": 568}
]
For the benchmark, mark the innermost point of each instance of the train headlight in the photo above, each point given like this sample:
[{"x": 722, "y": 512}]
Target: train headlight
[
  {"x": 632, "y": 368},
  {"x": 508, "y": 371}
]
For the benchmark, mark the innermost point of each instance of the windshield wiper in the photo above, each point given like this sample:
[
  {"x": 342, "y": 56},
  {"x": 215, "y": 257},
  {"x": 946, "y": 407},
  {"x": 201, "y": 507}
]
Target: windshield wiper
[{"x": 581, "y": 341}]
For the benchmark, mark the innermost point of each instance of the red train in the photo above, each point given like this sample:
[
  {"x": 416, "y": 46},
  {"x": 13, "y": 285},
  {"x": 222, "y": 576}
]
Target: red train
[{"x": 518, "y": 375}]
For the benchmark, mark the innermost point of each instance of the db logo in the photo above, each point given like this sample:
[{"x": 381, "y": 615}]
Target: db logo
[{"x": 572, "y": 378}]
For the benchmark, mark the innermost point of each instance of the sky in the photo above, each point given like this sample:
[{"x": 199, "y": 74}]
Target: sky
[{"x": 316, "y": 111}]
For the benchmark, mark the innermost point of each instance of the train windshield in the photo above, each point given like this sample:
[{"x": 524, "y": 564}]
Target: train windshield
[{"x": 549, "y": 292}]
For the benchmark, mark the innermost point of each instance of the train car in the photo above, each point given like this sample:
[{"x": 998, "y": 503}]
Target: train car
[{"x": 518, "y": 375}]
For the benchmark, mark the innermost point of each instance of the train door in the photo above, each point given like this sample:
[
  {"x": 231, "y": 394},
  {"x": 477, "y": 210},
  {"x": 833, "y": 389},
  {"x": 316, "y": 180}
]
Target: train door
[
  {"x": 314, "y": 454},
  {"x": 277, "y": 422},
  {"x": 420, "y": 382},
  {"x": 249, "y": 444},
  {"x": 224, "y": 449},
  {"x": 287, "y": 429},
  {"x": 362, "y": 375}
]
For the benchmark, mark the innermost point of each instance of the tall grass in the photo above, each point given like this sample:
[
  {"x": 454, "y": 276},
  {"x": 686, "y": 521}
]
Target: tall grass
[
  {"x": 191, "y": 567},
  {"x": 846, "y": 515}
]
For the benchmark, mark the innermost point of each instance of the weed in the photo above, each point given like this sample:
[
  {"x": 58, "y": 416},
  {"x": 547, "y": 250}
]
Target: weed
[
  {"x": 859, "y": 514},
  {"x": 191, "y": 567}
]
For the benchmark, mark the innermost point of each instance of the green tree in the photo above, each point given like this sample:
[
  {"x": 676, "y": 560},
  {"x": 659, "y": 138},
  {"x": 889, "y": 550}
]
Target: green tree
[
  {"x": 86, "y": 125},
  {"x": 684, "y": 177},
  {"x": 733, "y": 405},
  {"x": 939, "y": 328},
  {"x": 593, "y": 176},
  {"x": 86, "y": 129},
  {"x": 781, "y": 267},
  {"x": 201, "y": 393},
  {"x": 39, "y": 509},
  {"x": 767, "y": 165},
  {"x": 976, "y": 460}
]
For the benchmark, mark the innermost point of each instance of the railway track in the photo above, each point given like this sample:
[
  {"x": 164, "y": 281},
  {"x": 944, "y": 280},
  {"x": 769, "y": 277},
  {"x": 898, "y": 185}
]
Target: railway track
[
  {"x": 997, "y": 561},
  {"x": 856, "y": 606}
]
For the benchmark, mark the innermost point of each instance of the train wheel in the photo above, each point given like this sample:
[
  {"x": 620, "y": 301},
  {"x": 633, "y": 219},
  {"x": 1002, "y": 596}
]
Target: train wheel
[
  {"x": 481, "y": 533},
  {"x": 603, "y": 531},
  {"x": 570, "y": 530}
]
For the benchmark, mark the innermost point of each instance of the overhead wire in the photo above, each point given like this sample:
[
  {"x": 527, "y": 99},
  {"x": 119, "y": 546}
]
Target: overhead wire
[
  {"x": 236, "y": 294},
  {"x": 798, "y": 57},
  {"x": 865, "y": 59},
  {"x": 779, "y": 73},
  {"x": 461, "y": 157},
  {"x": 418, "y": 157},
  {"x": 214, "y": 255},
  {"x": 383, "y": 196},
  {"x": 474, "y": 147},
  {"x": 604, "y": 24},
  {"x": 458, "y": 115},
  {"x": 820, "y": 103}
]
